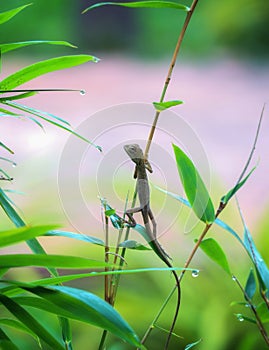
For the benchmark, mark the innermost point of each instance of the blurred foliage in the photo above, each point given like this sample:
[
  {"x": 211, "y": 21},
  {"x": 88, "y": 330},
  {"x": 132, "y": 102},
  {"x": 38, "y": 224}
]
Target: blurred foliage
[{"x": 236, "y": 27}]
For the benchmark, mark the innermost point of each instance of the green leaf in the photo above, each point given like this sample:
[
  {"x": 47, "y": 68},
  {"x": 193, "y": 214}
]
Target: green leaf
[
  {"x": 9, "y": 210},
  {"x": 43, "y": 260},
  {"x": 161, "y": 106},
  {"x": 194, "y": 187},
  {"x": 157, "y": 249},
  {"x": 6, "y": 148},
  {"x": 33, "y": 71},
  {"x": 214, "y": 251},
  {"x": 86, "y": 307},
  {"x": 78, "y": 236},
  {"x": 143, "y": 4},
  {"x": 250, "y": 287},
  {"x": 67, "y": 278},
  {"x": 262, "y": 310},
  {"x": 33, "y": 243},
  {"x": 22, "y": 234},
  {"x": 225, "y": 199},
  {"x": 39, "y": 114},
  {"x": 7, "y": 15},
  {"x": 18, "y": 97},
  {"x": 217, "y": 221},
  {"x": 110, "y": 212},
  {"x": 259, "y": 263},
  {"x": 241, "y": 318},
  {"x": 130, "y": 244},
  {"x": 8, "y": 160},
  {"x": 14, "y": 46},
  {"x": 115, "y": 219},
  {"x": 189, "y": 346},
  {"x": 6, "y": 343},
  {"x": 9, "y": 322},
  {"x": 5, "y": 174},
  {"x": 13, "y": 289},
  {"x": 29, "y": 321}
]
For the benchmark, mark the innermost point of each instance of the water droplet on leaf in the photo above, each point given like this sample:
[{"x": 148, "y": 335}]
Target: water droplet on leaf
[
  {"x": 14, "y": 165},
  {"x": 82, "y": 92},
  {"x": 195, "y": 273}
]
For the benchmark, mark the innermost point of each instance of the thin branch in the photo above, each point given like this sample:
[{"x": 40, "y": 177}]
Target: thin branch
[
  {"x": 169, "y": 74},
  {"x": 253, "y": 309}
]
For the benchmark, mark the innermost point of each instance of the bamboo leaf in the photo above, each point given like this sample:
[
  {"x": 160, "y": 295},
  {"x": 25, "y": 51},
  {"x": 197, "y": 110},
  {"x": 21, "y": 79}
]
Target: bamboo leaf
[
  {"x": 29, "y": 321},
  {"x": 142, "y": 4},
  {"x": 6, "y": 148},
  {"x": 259, "y": 263},
  {"x": 262, "y": 310},
  {"x": 190, "y": 346},
  {"x": 194, "y": 187},
  {"x": 143, "y": 232},
  {"x": 14, "y": 46},
  {"x": 22, "y": 234},
  {"x": 7, "y": 15},
  {"x": 214, "y": 251},
  {"x": 161, "y": 106},
  {"x": 86, "y": 307},
  {"x": 33, "y": 243},
  {"x": 6, "y": 343},
  {"x": 225, "y": 199},
  {"x": 43, "y": 260},
  {"x": 131, "y": 244},
  {"x": 39, "y": 114},
  {"x": 18, "y": 97},
  {"x": 250, "y": 287},
  {"x": 33, "y": 71},
  {"x": 217, "y": 221},
  {"x": 9, "y": 322},
  {"x": 241, "y": 318},
  {"x": 78, "y": 236}
]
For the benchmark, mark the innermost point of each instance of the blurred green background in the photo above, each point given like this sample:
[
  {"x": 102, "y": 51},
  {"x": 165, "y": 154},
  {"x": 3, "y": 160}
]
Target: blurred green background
[
  {"x": 238, "y": 27},
  {"x": 218, "y": 29}
]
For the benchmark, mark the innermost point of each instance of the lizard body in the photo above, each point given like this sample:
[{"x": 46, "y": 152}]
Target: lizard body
[{"x": 136, "y": 154}]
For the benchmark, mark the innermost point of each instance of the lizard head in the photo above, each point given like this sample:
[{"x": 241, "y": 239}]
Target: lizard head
[{"x": 134, "y": 152}]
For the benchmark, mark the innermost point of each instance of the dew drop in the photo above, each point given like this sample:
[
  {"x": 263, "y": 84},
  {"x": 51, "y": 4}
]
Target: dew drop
[
  {"x": 14, "y": 165},
  {"x": 195, "y": 273},
  {"x": 234, "y": 278},
  {"x": 240, "y": 319},
  {"x": 82, "y": 92}
]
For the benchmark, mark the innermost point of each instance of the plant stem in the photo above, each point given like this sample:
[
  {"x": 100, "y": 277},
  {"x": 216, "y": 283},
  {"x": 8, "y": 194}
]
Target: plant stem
[
  {"x": 253, "y": 309},
  {"x": 103, "y": 339},
  {"x": 106, "y": 278},
  {"x": 106, "y": 259},
  {"x": 187, "y": 264},
  {"x": 169, "y": 74}
]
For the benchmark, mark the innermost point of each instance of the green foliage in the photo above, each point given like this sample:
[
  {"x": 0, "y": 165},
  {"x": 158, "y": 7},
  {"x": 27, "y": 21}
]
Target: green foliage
[
  {"x": 161, "y": 106},
  {"x": 214, "y": 251},
  {"x": 24, "y": 301},
  {"x": 250, "y": 287},
  {"x": 7, "y": 15},
  {"x": 194, "y": 187},
  {"x": 142, "y": 4}
]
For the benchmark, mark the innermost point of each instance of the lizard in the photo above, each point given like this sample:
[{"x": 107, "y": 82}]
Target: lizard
[{"x": 136, "y": 154}]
